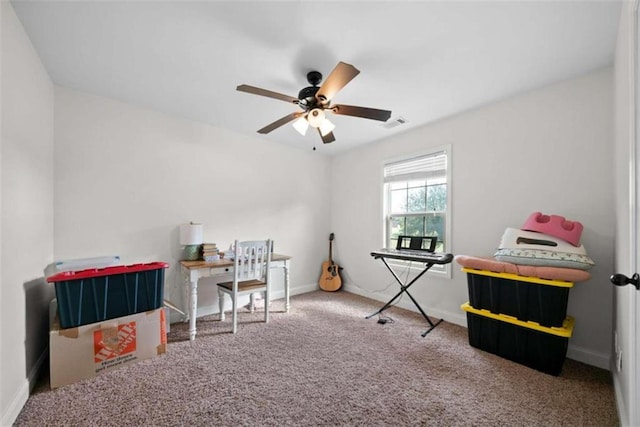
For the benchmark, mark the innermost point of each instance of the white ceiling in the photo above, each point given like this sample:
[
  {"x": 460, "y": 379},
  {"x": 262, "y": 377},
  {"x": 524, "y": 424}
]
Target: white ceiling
[{"x": 424, "y": 60}]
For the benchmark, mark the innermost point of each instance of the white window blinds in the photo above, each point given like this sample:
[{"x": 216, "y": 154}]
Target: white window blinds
[{"x": 430, "y": 166}]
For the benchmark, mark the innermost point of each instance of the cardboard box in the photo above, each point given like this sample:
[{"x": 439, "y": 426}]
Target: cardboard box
[{"x": 89, "y": 350}]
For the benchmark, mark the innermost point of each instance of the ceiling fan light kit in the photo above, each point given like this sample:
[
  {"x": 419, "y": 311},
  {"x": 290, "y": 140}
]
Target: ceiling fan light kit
[
  {"x": 316, "y": 117},
  {"x": 301, "y": 125},
  {"x": 315, "y": 100},
  {"x": 326, "y": 127}
]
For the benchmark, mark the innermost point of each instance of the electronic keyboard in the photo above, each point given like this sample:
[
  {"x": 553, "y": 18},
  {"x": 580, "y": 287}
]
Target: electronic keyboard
[{"x": 413, "y": 255}]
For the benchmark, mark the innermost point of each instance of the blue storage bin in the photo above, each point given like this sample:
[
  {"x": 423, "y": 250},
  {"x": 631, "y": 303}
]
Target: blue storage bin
[{"x": 99, "y": 294}]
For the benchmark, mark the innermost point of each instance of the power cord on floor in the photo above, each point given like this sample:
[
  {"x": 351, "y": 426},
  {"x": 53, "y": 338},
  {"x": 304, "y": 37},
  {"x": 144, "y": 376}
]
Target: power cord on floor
[{"x": 383, "y": 320}]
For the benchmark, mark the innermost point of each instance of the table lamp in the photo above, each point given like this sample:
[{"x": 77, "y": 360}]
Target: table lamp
[{"x": 191, "y": 239}]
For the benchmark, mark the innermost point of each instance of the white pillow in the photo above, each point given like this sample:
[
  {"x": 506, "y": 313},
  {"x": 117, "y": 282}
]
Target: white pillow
[
  {"x": 544, "y": 258},
  {"x": 514, "y": 238}
]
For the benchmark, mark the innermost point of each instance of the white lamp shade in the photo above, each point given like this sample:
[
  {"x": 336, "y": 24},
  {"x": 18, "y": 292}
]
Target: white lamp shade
[
  {"x": 316, "y": 117},
  {"x": 326, "y": 127},
  {"x": 301, "y": 125},
  {"x": 191, "y": 234}
]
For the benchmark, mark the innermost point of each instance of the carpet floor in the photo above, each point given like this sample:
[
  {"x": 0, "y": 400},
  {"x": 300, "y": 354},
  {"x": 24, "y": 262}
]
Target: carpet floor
[{"x": 324, "y": 364}]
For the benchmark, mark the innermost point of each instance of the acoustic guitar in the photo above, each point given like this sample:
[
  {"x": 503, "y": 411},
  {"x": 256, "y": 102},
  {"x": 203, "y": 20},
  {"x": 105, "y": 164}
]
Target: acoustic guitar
[{"x": 330, "y": 278}]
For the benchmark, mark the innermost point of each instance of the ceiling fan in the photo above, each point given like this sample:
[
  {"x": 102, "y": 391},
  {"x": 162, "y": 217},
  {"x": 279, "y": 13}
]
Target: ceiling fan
[{"x": 315, "y": 101}]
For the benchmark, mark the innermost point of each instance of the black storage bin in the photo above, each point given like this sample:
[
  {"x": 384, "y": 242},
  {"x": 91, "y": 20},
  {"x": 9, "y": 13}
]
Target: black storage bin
[
  {"x": 526, "y": 298},
  {"x": 528, "y": 343}
]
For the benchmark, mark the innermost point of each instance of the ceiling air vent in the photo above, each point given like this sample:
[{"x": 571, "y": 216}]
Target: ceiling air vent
[{"x": 393, "y": 122}]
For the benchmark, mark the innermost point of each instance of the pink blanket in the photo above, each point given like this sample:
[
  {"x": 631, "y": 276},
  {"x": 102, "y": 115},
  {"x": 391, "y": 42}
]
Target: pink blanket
[{"x": 549, "y": 273}]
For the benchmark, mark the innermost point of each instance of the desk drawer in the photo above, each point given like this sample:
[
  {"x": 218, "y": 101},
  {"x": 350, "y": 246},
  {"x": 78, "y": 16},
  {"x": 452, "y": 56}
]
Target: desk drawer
[{"x": 219, "y": 271}]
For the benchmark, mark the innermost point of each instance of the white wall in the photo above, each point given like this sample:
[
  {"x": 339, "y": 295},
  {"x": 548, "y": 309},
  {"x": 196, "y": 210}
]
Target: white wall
[
  {"x": 127, "y": 177},
  {"x": 26, "y": 215},
  {"x": 548, "y": 150}
]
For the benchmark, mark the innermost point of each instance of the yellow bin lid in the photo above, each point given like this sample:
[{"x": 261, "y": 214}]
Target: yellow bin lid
[
  {"x": 510, "y": 276},
  {"x": 565, "y": 331}
]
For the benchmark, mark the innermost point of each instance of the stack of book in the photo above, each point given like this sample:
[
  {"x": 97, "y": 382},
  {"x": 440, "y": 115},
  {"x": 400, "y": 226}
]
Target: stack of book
[{"x": 210, "y": 252}]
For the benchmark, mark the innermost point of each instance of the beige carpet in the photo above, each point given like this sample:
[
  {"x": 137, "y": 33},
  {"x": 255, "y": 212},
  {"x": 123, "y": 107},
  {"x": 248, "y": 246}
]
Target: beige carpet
[{"x": 325, "y": 364}]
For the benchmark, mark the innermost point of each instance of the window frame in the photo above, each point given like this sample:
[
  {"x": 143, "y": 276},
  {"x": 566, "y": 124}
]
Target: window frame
[{"x": 439, "y": 270}]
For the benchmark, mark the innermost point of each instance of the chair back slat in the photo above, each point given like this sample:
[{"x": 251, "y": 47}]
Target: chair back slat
[
  {"x": 251, "y": 275},
  {"x": 252, "y": 260}
]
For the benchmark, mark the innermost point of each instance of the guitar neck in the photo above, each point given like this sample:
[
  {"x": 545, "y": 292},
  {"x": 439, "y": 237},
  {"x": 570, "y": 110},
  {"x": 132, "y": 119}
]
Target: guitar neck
[
  {"x": 331, "y": 251},
  {"x": 331, "y": 237}
]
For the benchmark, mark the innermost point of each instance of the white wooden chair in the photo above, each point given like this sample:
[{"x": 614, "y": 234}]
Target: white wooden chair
[{"x": 251, "y": 266}]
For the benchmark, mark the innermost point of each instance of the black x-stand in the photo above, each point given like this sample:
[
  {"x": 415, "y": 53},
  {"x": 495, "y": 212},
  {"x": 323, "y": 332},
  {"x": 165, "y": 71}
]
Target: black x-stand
[{"x": 429, "y": 259}]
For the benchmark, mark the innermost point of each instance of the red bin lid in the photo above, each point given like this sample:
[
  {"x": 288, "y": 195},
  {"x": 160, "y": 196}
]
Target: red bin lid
[{"x": 106, "y": 271}]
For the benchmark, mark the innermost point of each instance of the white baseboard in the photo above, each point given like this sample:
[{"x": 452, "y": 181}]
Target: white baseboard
[
  {"x": 590, "y": 357},
  {"x": 175, "y": 317},
  {"x": 16, "y": 405},
  {"x": 36, "y": 370},
  {"x": 459, "y": 319},
  {"x": 300, "y": 290},
  {"x": 21, "y": 397}
]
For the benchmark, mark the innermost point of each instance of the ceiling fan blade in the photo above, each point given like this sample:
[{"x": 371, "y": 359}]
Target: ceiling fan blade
[
  {"x": 339, "y": 77},
  {"x": 269, "y": 94},
  {"x": 364, "y": 112},
  {"x": 283, "y": 121},
  {"x": 326, "y": 139}
]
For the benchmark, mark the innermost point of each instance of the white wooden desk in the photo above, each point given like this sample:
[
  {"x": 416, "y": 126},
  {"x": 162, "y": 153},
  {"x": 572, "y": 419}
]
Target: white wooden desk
[{"x": 221, "y": 271}]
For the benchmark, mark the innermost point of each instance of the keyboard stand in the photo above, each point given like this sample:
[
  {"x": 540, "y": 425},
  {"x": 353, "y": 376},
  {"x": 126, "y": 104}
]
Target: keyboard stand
[{"x": 405, "y": 287}]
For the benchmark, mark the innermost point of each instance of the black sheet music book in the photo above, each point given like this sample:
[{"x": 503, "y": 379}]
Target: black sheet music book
[{"x": 417, "y": 243}]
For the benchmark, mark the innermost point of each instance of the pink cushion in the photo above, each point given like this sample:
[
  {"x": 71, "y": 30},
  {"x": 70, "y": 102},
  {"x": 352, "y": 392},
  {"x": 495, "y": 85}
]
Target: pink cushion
[
  {"x": 555, "y": 225},
  {"x": 550, "y": 273}
]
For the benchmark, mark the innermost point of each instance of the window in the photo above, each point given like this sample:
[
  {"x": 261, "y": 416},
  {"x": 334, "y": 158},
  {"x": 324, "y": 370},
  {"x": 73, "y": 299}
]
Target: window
[{"x": 417, "y": 198}]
